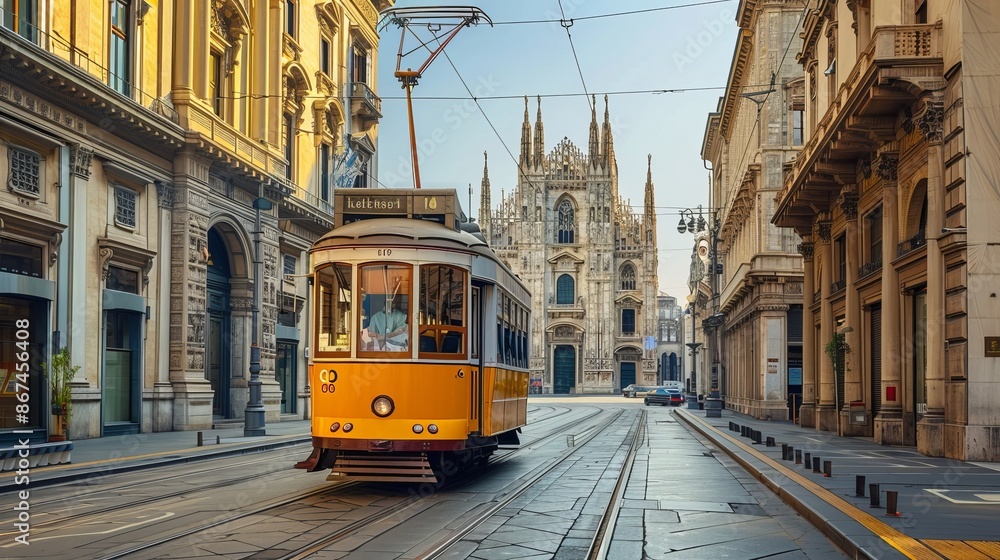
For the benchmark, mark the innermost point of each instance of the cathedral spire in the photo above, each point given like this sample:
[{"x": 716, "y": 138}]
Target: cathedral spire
[
  {"x": 606, "y": 135},
  {"x": 539, "y": 138},
  {"x": 595, "y": 148},
  {"x": 526, "y": 138},
  {"x": 485, "y": 207},
  {"x": 648, "y": 203}
]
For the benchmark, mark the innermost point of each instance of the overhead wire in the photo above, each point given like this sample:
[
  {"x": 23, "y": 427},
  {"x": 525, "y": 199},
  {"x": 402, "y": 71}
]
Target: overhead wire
[
  {"x": 614, "y": 14},
  {"x": 566, "y": 24}
]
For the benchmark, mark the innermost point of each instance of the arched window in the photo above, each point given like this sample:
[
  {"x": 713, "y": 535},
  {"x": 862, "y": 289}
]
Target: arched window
[
  {"x": 565, "y": 290},
  {"x": 567, "y": 222},
  {"x": 628, "y": 278}
]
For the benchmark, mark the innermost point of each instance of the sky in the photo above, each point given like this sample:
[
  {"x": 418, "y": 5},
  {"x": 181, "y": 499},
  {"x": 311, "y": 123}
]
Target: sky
[{"x": 682, "y": 46}]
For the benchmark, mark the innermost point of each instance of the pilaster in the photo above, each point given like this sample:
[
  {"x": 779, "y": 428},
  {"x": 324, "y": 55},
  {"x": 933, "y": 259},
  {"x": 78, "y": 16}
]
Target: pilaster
[
  {"x": 807, "y": 412},
  {"x": 826, "y": 410},
  {"x": 888, "y": 423},
  {"x": 853, "y": 372}
]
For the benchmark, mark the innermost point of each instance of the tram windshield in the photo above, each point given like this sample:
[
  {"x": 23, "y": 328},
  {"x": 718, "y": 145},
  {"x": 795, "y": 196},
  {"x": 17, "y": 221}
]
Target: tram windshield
[{"x": 385, "y": 308}]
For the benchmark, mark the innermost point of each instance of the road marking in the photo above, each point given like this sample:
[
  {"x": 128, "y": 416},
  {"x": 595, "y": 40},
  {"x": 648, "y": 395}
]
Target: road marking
[{"x": 983, "y": 499}]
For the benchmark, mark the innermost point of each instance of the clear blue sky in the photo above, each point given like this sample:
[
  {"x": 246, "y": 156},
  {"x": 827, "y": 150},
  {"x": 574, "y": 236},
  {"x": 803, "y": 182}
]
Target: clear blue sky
[{"x": 689, "y": 46}]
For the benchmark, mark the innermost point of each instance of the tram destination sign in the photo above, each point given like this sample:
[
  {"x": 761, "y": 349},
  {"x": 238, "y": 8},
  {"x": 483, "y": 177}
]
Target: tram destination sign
[{"x": 376, "y": 204}]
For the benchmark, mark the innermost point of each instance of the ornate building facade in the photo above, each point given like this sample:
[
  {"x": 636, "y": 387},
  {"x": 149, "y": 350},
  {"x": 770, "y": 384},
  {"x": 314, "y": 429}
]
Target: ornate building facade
[
  {"x": 587, "y": 258},
  {"x": 132, "y": 156},
  {"x": 669, "y": 339},
  {"x": 894, "y": 195},
  {"x": 755, "y": 132}
]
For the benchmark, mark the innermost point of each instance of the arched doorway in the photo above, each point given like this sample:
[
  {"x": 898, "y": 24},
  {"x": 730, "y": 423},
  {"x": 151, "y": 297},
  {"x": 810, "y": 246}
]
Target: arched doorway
[
  {"x": 217, "y": 342},
  {"x": 563, "y": 369},
  {"x": 674, "y": 368}
]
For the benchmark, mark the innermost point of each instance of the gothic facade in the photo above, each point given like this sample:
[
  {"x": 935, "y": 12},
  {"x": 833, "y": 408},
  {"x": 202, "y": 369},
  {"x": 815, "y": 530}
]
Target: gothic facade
[{"x": 588, "y": 259}]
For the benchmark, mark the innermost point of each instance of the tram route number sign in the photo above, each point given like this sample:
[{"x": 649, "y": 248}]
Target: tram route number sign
[{"x": 327, "y": 380}]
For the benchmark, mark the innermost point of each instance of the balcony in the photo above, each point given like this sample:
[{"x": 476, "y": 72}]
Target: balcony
[
  {"x": 869, "y": 268},
  {"x": 365, "y": 104},
  {"x": 838, "y": 285},
  {"x": 866, "y": 104},
  {"x": 911, "y": 244},
  {"x": 566, "y": 310}
]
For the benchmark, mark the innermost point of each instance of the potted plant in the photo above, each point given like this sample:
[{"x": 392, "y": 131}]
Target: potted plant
[{"x": 60, "y": 372}]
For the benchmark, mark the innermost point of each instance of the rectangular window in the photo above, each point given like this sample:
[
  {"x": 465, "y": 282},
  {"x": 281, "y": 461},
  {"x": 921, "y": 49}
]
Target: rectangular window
[
  {"x": 334, "y": 298},
  {"x": 20, "y": 258},
  {"x": 19, "y": 16},
  {"x": 798, "y": 131},
  {"x": 875, "y": 235},
  {"x": 359, "y": 65},
  {"x": 122, "y": 280},
  {"x": 324, "y": 57},
  {"x": 289, "y": 146},
  {"x": 290, "y": 18},
  {"x": 442, "y": 310},
  {"x": 118, "y": 66},
  {"x": 215, "y": 82},
  {"x": 324, "y": 172},
  {"x": 288, "y": 264},
  {"x": 628, "y": 321},
  {"x": 25, "y": 171},
  {"x": 385, "y": 309},
  {"x": 125, "y": 207}
]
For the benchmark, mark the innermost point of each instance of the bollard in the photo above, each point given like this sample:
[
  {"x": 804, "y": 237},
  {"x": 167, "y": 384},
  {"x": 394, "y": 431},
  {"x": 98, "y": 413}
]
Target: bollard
[
  {"x": 874, "y": 495},
  {"x": 890, "y": 503},
  {"x": 828, "y": 468},
  {"x": 199, "y": 439},
  {"x": 756, "y": 437},
  {"x": 218, "y": 440},
  {"x": 816, "y": 464},
  {"x": 744, "y": 431},
  {"x": 859, "y": 486},
  {"x": 808, "y": 462},
  {"x": 784, "y": 451},
  {"x": 798, "y": 456},
  {"x": 770, "y": 441}
]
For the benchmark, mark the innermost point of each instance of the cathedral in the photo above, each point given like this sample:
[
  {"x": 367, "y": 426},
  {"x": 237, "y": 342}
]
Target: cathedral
[{"x": 587, "y": 258}]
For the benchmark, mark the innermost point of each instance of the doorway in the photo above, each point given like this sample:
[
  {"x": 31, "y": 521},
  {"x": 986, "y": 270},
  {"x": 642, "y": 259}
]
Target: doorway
[
  {"x": 627, "y": 374},
  {"x": 285, "y": 370},
  {"x": 564, "y": 370}
]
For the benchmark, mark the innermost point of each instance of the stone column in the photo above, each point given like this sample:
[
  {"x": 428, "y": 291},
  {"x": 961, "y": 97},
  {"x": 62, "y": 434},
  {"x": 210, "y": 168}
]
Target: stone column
[
  {"x": 930, "y": 429},
  {"x": 163, "y": 392},
  {"x": 807, "y": 413},
  {"x": 852, "y": 332},
  {"x": 188, "y": 238},
  {"x": 888, "y": 425},
  {"x": 826, "y": 410}
]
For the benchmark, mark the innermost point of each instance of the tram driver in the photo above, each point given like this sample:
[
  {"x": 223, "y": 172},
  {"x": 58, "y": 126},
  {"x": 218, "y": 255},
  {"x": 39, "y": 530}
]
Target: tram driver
[{"x": 387, "y": 331}]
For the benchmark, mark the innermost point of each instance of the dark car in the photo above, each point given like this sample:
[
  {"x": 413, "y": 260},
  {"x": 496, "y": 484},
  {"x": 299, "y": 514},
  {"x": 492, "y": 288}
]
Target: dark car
[{"x": 663, "y": 397}]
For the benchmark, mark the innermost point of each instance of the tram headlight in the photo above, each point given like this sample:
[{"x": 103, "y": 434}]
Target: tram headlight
[
  {"x": 417, "y": 428},
  {"x": 335, "y": 426},
  {"x": 432, "y": 428},
  {"x": 348, "y": 427},
  {"x": 382, "y": 406}
]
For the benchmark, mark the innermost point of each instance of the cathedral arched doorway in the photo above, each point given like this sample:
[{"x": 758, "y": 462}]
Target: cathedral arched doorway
[{"x": 563, "y": 369}]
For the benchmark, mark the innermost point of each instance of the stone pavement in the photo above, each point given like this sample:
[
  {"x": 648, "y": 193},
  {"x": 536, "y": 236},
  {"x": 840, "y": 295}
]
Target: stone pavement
[{"x": 944, "y": 508}]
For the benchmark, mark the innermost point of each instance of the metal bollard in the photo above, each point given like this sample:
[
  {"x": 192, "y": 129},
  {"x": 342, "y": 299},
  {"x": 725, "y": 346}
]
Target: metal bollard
[
  {"x": 827, "y": 468},
  {"x": 808, "y": 462},
  {"x": 859, "y": 486},
  {"x": 218, "y": 439},
  {"x": 769, "y": 441},
  {"x": 784, "y": 451},
  {"x": 816, "y": 464},
  {"x": 873, "y": 495},
  {"x": 756, "y": 437},
  {"x": 200, "y": 441},
  {"x": 890, "y": 503},
  {"x": 798, "y": 456}
]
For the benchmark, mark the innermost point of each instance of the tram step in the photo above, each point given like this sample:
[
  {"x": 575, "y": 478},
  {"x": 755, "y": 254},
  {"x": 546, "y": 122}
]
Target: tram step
[{"x": 389, "y": 468}]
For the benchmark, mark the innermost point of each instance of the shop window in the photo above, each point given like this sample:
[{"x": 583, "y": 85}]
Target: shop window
[{"x": 20, "y": 258}]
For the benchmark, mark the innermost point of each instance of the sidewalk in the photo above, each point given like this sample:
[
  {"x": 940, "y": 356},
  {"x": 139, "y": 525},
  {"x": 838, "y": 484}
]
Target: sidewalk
[
  {"x": 115, "y": 454},
  {"x": 944, "y": 508}
]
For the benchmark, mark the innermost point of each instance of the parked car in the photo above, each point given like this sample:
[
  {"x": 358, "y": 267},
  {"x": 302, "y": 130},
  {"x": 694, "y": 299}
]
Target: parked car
[
  {"x": 663, "y": 397},
  {"x": 634, "y": 390}
]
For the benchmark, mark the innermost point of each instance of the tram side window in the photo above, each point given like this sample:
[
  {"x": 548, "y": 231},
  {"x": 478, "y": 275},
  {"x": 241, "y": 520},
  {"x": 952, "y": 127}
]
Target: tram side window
[
  {"x": 334, "y": 298},
  {"x": 385, "y": 308},
  {"x": 442, "y": 310}
]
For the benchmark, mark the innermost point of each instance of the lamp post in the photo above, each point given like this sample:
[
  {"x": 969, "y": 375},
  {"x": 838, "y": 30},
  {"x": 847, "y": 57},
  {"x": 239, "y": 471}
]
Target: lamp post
[
  {"x": 253, "y": 420},
  {"x": 694, "y": 222}
]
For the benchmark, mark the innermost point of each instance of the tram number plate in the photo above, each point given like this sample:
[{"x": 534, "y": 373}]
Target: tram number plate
[{"x": 327, "y": 378}]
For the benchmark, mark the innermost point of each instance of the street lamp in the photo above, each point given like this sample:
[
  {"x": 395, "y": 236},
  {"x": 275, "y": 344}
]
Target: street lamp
[
  {"x": 253, "y": 420},
  {"x": 694, "y": 222}
]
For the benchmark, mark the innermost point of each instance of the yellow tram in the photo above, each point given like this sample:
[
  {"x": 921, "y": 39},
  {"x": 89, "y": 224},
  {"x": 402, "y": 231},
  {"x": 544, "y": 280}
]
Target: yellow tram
[{"x": 419, "y": 355}]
